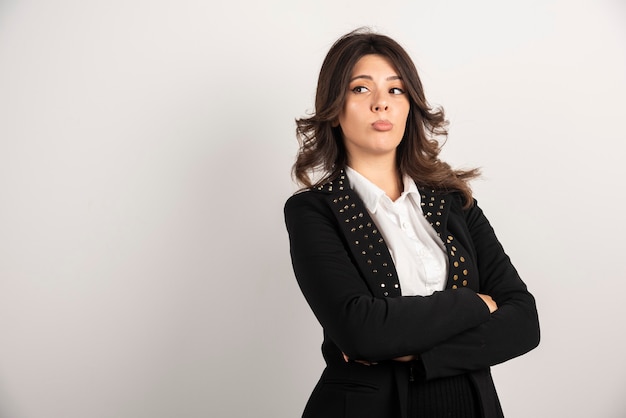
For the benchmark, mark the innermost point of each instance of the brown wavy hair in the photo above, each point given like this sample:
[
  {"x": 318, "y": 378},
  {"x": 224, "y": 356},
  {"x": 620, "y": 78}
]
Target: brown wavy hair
[{"x": 321, "y": 143}]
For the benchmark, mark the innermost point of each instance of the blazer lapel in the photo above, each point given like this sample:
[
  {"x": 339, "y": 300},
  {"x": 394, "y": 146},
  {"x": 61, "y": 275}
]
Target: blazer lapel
[
  {"x": 368, "y": 247},
  {"x": 436, "y": 208},
  {"x": 364, "y": 238}
]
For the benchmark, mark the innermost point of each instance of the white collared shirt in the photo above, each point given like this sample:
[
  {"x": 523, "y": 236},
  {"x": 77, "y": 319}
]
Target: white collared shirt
[{"x": 417, "y": 252}]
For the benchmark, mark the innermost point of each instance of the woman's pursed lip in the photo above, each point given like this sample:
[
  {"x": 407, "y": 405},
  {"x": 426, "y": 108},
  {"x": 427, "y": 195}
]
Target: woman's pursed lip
[{"x": 382, "y": 125}]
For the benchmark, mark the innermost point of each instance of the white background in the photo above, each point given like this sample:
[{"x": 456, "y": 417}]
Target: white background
[{"x": 145, "y": 155}]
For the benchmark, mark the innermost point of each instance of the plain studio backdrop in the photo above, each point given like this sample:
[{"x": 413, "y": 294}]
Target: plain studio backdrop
[{"x": 145, "y": 156}]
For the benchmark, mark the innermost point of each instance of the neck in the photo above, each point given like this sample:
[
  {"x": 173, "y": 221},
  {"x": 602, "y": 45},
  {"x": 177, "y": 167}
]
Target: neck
[{"x": 384, "y": 175}]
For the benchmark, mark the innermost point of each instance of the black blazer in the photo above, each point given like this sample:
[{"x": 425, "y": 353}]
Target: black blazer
[{"x": 345, "y": 271}]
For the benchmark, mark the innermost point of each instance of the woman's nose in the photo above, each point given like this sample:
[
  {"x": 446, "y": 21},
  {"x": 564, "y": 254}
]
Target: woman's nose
[{"x": 380, "y": 105}]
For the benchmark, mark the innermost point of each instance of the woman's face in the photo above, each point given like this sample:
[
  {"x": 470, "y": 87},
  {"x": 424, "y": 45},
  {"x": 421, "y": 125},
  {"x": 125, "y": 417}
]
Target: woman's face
[{"x": 374, "y": 115}]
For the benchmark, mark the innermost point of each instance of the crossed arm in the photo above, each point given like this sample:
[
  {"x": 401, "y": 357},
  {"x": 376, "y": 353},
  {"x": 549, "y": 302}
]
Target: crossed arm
[{"x": 458, "y": 323}]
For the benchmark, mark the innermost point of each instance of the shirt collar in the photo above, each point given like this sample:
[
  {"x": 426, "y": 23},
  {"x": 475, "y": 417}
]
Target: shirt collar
[{"x": 373, "y": 195}]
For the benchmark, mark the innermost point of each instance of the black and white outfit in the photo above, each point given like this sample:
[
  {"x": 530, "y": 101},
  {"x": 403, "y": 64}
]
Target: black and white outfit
[{"x": 388, "y": 279}]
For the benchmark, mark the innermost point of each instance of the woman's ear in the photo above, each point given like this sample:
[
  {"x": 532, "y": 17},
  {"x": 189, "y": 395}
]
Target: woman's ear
[{"x": 335, "y": 123}]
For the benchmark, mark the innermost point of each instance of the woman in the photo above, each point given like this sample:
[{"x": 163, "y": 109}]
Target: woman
[{"x": 416, "y": 296}]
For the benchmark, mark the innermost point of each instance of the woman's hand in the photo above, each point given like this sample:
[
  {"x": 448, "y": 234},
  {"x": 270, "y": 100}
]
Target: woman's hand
[
  {"x": 364, "y": 362},
  {"x": 491, "y": 304},
  {"x": 406, "y": 359},
  {"x": 403, "y": 359}
]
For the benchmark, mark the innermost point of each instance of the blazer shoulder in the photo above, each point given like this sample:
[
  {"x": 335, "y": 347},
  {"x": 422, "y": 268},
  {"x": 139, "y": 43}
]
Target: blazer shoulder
[
  {"x": 307, "y": 198},
  {"x": 458, "y": 201},
  {"x": 318, "y": 193},
  {"x": 302, "y": 196}
]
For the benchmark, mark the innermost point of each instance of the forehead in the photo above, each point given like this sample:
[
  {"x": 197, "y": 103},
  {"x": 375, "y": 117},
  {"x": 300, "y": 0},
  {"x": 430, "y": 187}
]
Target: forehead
[{"x": 373, "y": 63}]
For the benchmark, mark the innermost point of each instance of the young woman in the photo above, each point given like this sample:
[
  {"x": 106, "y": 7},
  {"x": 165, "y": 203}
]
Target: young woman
[{"x": 416, "y": 296}]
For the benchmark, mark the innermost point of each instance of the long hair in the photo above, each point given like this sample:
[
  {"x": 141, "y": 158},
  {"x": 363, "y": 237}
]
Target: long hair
[{"x": 321, "y": 144}]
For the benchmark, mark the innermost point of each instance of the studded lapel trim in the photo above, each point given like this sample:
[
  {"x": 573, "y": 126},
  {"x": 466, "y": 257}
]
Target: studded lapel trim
[
  {"x": 368, "y": 245},
  {"x": 436, "y": 208},
  {"x": 365, "y": 240}
]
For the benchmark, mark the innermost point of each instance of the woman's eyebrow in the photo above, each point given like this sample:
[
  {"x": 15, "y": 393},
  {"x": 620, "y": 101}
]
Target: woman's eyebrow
[{"x": 369, "y": 77}]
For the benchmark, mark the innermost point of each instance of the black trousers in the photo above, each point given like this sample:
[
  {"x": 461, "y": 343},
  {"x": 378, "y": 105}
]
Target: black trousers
[{"x": 451, "y": 397}]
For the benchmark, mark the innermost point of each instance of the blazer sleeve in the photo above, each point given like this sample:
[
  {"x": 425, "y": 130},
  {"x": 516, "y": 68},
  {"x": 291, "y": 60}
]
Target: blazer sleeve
[
  {"x": 512, "y": 330},
  {"x": 361, "y": 325}
]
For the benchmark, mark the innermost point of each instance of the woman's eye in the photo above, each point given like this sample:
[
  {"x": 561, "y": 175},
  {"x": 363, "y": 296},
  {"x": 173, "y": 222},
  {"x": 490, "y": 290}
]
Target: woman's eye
[
  {"x": 396, "y": 90},
  {"x": 359, "y": 89}
]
